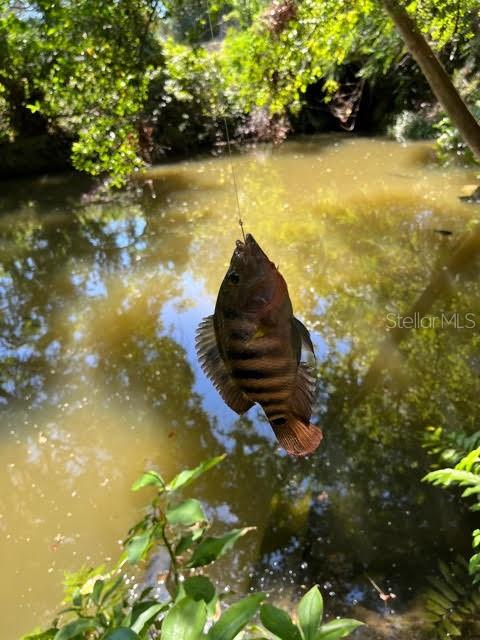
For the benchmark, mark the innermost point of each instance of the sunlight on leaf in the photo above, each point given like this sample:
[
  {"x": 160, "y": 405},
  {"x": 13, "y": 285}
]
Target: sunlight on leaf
[
  {"x": 185, "y": 620},
  {"x": 149, "y": 478},
  {"x": 186, "y": 477},
  {"x": 310, "y": 612},
  {"x": 187, "y": 513},
  {"x": 212, "y": 548},
  {"x": 234, "y": 619}
]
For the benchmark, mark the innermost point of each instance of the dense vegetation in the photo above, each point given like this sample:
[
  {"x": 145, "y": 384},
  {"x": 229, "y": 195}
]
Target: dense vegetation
[
  {"x": 101, "y": 605},
  {"x": 118, "y": 84}
]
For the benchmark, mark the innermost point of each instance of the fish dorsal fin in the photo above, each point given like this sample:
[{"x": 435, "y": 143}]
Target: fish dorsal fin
[
  {"x": 214, "y": 367},
  {"x": 305, "y": 382}
]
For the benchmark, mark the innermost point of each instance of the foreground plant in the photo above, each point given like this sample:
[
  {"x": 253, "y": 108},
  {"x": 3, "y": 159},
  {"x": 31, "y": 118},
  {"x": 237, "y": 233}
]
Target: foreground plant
[
  {"x": 453, "y": 601},
  {"x": 465, "y": 474},
  {"x": 102, "y": 607}
]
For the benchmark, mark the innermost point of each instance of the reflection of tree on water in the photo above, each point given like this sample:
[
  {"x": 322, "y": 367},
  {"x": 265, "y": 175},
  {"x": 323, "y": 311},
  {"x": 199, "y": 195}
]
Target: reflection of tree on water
[{"x": 48, "y": 261}]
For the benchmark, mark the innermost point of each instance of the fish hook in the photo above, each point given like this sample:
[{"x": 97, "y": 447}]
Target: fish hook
[{"x": 240, "y": 222}]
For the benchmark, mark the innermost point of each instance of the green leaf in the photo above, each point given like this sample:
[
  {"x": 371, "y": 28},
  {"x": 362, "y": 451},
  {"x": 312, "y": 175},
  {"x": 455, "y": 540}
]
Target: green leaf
[
  {"x": 186, "y": 477},
  {"x": 471, "y": 491},
  {"x": 34, "y": 107},
  {"x": 310, "y": 612},
  {"x": 474, "y": 564},
  {"x": 451, "y": 629},
  {"x": 137, "y": 546},
  {"x": 110, "y": 590},
  {"x": 441, "y": 586},
  {"x": 122, "y": 633},
  {"x": 149, "y": 478},
  {"x": 199, "y": 588},
  {"x": 186, "y": 542},
  {"x": 140, "y": 606},
  {"x": 437, "y": 597},
  {"x": 185, "y": 620},
  {"x": 147, "y": 616},
  {"x": 48, "y": 634},
  {"x": 476, "y": 538},
  {"x": 337, "y": 629},
  {"x": 233, "y": 620},
  {"x": 212, "y": 548},
  {"x": 187, "y": 513},
  {"x": 97, "y": 590},
  {"x": 279, "y": 623},
  {"x": 76, "y": 628},
  {"x": 433, "y": 607},
  {"x": 446, "y": 477}
]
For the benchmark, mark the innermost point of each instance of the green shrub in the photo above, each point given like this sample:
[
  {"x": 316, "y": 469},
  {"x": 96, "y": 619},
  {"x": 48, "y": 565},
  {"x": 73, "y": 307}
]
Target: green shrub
[
  {"x": 100, "y": 606},
  {"x": 453, "y": 600}
]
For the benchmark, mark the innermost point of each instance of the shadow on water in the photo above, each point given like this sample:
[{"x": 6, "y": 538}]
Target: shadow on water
[{"x": 99, "y": 377}]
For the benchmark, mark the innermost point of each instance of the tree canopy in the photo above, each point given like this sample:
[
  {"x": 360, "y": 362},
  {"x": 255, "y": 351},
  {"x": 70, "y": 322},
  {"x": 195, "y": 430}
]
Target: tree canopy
[{"x": 129, "y": 80}]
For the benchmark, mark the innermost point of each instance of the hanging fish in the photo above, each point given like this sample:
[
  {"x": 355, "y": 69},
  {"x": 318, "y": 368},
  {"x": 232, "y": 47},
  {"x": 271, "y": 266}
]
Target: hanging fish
[{"x": 255, "y": 350}]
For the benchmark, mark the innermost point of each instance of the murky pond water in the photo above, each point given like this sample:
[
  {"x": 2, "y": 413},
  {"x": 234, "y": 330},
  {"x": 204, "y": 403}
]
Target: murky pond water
[{"x": 98, "y": 380}]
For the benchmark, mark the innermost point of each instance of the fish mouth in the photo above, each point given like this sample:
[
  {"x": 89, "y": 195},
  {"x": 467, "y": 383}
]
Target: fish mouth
[{"x": 248, "y": 248}]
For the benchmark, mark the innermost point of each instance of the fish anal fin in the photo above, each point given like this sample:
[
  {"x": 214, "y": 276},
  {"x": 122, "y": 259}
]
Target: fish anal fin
[
  {"x": 303, "y": 394},
  {"x": 214, "y": 368},
  {"x": 296, "y": 437}
]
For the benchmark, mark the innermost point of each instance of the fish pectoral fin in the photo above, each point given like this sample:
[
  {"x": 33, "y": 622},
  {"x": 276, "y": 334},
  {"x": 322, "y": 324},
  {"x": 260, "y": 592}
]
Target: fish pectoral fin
[
  {"x": 296, "y": 437},
  {"x": 214, "y": 368}
]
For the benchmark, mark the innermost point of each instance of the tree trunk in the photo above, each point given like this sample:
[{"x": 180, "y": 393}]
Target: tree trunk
[{"x": 436, "y": 76}]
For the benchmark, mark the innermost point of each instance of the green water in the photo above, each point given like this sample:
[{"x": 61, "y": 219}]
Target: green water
[{"x": 99, "y": 305}]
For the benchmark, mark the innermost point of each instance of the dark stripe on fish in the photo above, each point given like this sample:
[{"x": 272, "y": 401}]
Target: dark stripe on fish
[
  {"x": 230, "y": 314},
  {"x": 242, "y": 354},
  {"x": 244, "y": 348},
  {"x": 278, "y": 392},
  {"x": 275, "y": 411},
  {"x": 278, "y": 365},
  {"x": 272, "y": 404},
  {"x": 280, "y": 416},
  {"x": 260, "y": 396},
  {"x": 248, "y": 374}
]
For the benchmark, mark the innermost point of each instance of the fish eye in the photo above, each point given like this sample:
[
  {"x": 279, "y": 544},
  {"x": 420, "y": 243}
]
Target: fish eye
[{"x": 233, "y": 277}]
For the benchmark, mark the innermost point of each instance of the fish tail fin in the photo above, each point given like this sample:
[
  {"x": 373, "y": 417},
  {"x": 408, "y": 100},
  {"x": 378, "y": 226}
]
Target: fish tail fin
[{"x": 296, "y": 437}]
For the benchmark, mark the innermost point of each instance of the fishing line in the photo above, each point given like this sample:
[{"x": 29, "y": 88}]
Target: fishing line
[{"x": 227, "y": 137}]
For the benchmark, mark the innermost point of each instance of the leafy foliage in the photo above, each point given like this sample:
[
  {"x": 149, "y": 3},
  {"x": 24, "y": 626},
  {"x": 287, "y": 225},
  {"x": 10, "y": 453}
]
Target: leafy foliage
[
  {"x": 84, "y": 67},
  {"x": 324, "y": 39},
  {"x": 465, "y": 474},
  {"x": 453, "y": 600},
  {"x": 100, "y": 605},
  {"x": 449, "y": 447},
  {"x": 126, "y": 80},
  {"x": 450, "y": 145}
]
